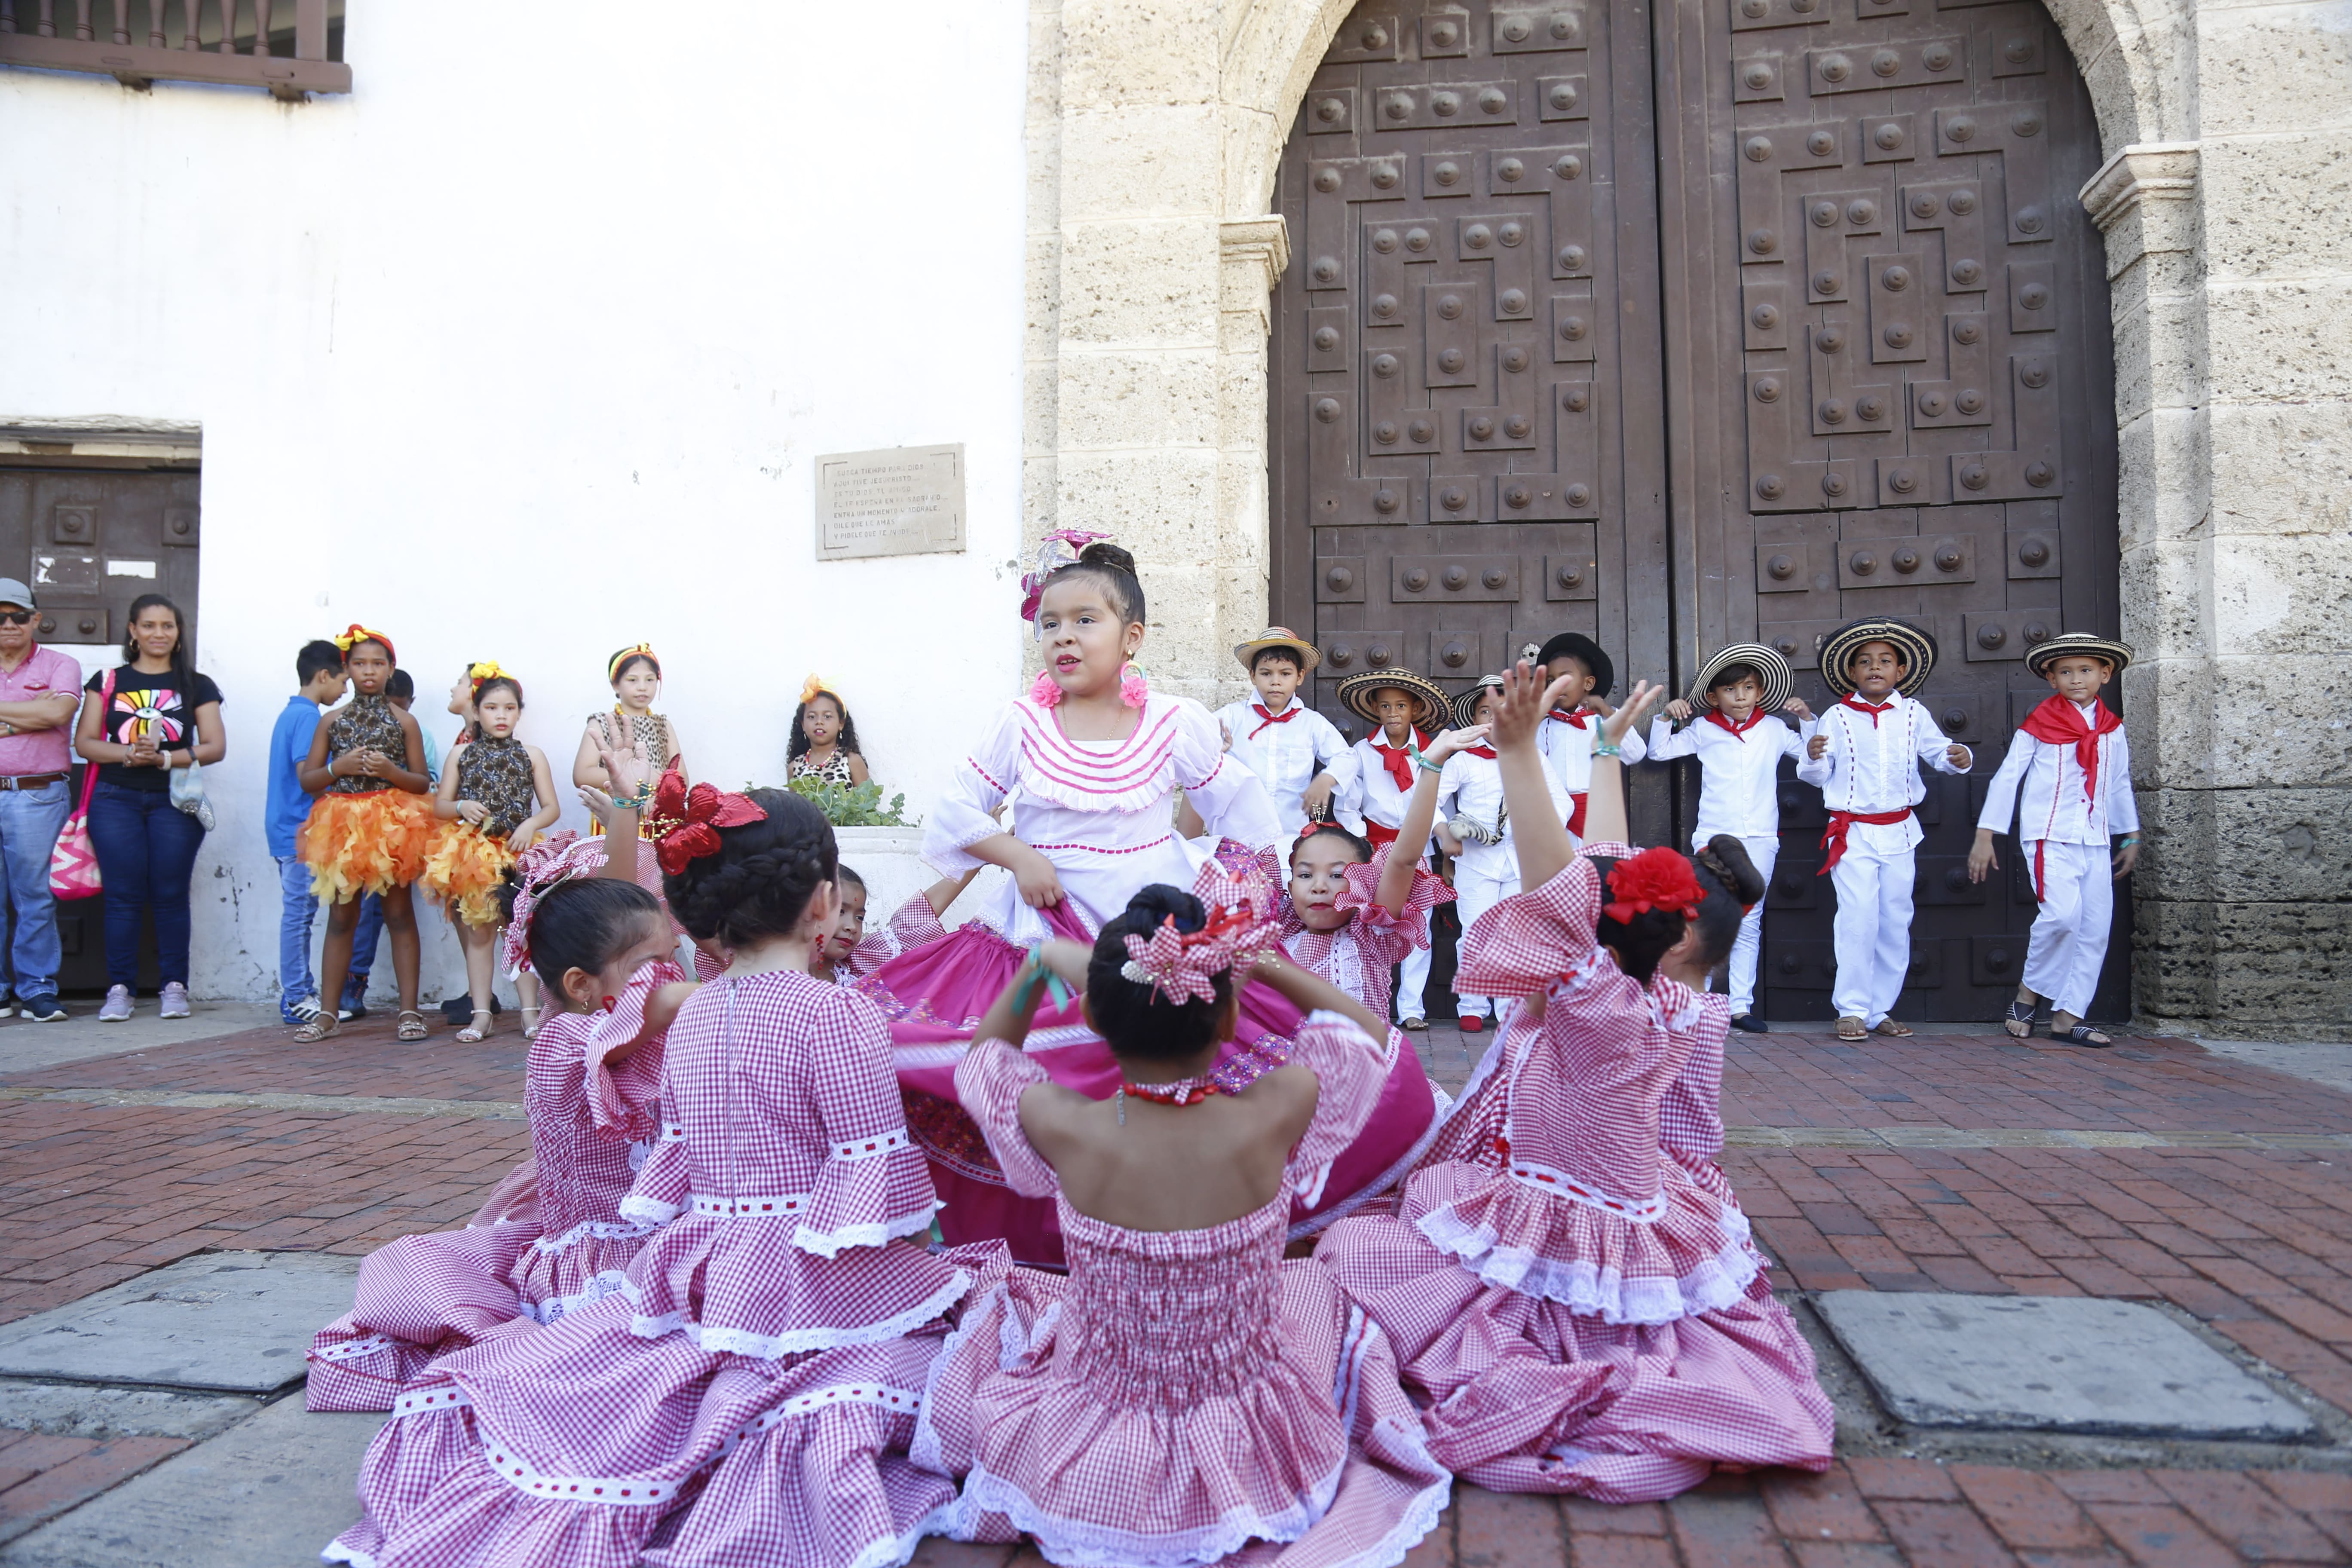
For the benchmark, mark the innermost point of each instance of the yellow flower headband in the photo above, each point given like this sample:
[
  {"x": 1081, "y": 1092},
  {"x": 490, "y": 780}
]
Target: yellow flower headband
[
  {"x": 613, "y": 665},
  {"x": 487, "y": 670},
  {"x": 357, "y": 633},
  {"x": 813, "y": 688}
]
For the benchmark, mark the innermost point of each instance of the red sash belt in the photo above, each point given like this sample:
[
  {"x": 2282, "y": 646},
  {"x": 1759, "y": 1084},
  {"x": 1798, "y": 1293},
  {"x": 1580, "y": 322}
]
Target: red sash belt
[
  {"x": 1376, "y": 836},
  {"x": 1576, "y": 814},
  {"x": 1834, "y": 836}
]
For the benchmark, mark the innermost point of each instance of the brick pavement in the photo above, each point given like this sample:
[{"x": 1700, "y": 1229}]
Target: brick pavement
[{"x": 2256, "y": 1243}]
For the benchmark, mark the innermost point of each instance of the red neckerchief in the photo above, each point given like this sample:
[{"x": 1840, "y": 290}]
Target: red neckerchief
[
  {"x": 1874, "y": 709},
  {"x": 1580, "y": 718},
  {"x": 1755, "y": 716},
  {"x": 2059, "y": 723},
  {"x": 1292, "y": 712},
  {"x": 1486, "y": 752},
  {"x": 1397, "y": 760}
]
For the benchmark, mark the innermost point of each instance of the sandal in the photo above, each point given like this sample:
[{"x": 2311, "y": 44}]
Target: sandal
[
  {"x": 1891, "y": 1029},
  {"x": 1852, "y": 1029},
  {"x": 2020, "y": 1022},
  {"x": 2086, "y": 1034},
  {"x": 411, "y": 1025},
  {"x": 1415, "y": 1025},
  {"x": 477, "y": 1031},
  {"x": 530, "y": 1022},
  {"x": 322, "y": 1025}
]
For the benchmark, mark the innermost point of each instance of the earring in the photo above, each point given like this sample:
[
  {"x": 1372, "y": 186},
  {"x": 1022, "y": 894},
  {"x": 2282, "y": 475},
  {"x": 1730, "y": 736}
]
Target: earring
[
  {"x": 1131, "y": 688},
  {"x": 1043, "y": 692}
]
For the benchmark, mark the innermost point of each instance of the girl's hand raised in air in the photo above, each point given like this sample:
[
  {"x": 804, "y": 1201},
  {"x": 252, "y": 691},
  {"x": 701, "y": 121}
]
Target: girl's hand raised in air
[
  {"x": 628, "y": 770},
  {"x": 1638, "y": 701},
  {"x": 1450, "y": 741},
  {"x": 1521, "y": 704}
]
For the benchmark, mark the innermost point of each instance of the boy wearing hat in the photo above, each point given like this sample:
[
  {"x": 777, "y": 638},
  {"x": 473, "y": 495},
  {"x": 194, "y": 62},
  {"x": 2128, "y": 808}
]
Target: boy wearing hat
[
  {"x": 1865, "y": 757},
  {"x": 1403, "y": 710},
  {"x": 1570, "y": 732},
  {"x": 1475, "y": 828},
  {"x": 1739, "y": 741},
  {"x": 2066, "y": 782},
  {"x": 1292, "y": 748}
]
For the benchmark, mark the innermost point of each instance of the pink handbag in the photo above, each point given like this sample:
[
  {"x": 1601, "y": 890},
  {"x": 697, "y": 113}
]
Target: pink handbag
[{"x": 73, "y": 864}]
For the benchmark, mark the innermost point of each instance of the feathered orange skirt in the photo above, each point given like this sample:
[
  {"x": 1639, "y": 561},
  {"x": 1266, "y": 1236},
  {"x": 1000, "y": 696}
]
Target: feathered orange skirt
[
  {"x": 465, "y": 866},
  {"x": 361, "y": 844}
]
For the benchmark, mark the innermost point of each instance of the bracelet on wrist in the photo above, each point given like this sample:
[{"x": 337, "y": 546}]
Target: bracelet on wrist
[
  {"x": 1424, "y": 763},
  {"x": 2128, "y": 842},
  {"x": 1605, "y": 749}
]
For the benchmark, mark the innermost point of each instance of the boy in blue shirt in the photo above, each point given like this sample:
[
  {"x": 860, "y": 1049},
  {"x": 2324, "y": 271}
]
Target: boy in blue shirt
[{"x": 320, "y": 667}]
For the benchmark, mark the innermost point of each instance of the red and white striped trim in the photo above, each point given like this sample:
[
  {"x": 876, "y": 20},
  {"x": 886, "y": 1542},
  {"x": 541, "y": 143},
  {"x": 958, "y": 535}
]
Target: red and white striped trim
[
  {"x": 888, "y": 1143},
  {"x": 447, "y": 1397},
  {"x": 777, "y": 1205},
  {"x": 1101, "y": 849},
  {"x": 1546, "y": 1179}
]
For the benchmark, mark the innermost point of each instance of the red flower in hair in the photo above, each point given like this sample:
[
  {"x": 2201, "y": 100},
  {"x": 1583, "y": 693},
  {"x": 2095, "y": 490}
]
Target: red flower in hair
[
  {"x": 1659, "y": 879},
  {"x": 685, "y": 823}
]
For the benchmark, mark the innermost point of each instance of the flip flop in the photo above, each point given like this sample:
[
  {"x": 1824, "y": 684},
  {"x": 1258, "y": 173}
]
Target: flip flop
[
  {"x": 2019, "y": 1021},
  {"x": 1852, "y": 1029},
  {"x": 1891, "y": 1029},
  {"x": 2087, "y": 1034}
]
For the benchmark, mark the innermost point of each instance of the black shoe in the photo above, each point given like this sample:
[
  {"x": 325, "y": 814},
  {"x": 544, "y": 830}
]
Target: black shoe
[
  {"x": 43, "y": 1009},
  {"x": 1751, "y": 1024}
]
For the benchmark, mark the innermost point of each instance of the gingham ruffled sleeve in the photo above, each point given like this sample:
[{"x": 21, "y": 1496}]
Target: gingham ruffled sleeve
[
  {"x": 990, "y": 1081},
  {"x": 1349, "y": 1068},
  {"x": 1403, "y": 929},
  {"x": 965, "y": 812},
  {"x": 664, "y": 1182},
  {"x": 1232, "y": 804},
  {"x": 875, "y": 1186},
  {"x": 1527, "y": 943},
  {"x": 623, "y": 1099}
]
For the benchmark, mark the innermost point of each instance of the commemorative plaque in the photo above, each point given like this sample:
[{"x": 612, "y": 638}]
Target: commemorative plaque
[{"x": 899, "y": 501}]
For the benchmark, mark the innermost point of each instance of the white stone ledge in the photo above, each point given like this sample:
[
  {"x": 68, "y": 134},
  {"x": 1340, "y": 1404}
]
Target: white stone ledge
[{"x": 2146, "y": 171}]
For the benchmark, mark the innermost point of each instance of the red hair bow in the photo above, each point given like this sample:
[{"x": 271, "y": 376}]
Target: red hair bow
[
  {"x": 1659, "y": 879},
  {"x": 685, "y": 823},
  {"x": 1182, "y": 966}
]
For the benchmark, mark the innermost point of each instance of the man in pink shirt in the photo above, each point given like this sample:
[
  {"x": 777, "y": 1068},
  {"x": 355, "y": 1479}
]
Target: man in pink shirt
[{"x": 40, "y": 693}]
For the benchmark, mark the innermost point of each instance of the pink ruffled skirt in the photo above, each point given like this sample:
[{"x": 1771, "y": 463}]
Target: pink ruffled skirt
[
  {"x": 419, "y": 1298},
  {"x": 934, "y": 994}
]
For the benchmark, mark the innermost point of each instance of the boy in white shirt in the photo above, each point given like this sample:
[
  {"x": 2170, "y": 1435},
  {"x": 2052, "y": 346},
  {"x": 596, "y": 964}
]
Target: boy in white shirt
[
  {"x": 2067, "y": 782},
  {"x": 1475, "y": 829},
  {"x": 1570, "y": 732},
  {"x": 1291, "y": 748},
  {"x": 1738, "y": 742},
  {"x": 1403, "y": 710},
  {"x": 1865, "y": 757}
]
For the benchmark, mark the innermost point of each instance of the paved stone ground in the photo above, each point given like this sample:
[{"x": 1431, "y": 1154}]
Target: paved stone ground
[{"x": 2211, "y": 1187}]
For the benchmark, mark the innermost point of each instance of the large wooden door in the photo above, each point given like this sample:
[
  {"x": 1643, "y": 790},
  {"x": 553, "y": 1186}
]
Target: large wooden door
[
  {"x": 1470, "y": 438},
  {"x": 1840, "y": 325}
]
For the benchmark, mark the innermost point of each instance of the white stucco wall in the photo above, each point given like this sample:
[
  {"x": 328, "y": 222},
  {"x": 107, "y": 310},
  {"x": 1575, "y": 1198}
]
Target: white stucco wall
[{"x": 524, "y": 350}]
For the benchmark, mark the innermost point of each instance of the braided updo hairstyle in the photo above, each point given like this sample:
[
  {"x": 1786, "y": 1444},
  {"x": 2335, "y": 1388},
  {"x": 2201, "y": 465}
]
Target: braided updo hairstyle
[
  {"x": 761, "y": 881},
  {"x": 1730, "y": 882},
  {"x": 1133, "y": 1017},
  {"x": 1115, "y": 569}
]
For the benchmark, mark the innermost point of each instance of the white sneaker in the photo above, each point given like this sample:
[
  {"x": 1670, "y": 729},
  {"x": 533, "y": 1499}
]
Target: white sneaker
[
  {"x": 175, "y": 1002},
  {"x": 117, "y": 1006}
]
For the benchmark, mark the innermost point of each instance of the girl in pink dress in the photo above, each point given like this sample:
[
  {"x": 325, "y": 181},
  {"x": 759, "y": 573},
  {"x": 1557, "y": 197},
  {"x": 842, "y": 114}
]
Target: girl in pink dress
[
  {"x": 1094, "y": 758},
  {"x": 1184, "y": 1392},
  {"x": 1580, "y": 1315},
  {"x": 600, "y": 946},
  {"x": 749, "y": 1395}
]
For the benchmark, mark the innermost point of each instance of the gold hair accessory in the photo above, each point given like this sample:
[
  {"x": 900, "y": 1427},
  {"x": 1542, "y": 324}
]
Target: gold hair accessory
[
  {"x": 813, "y": 688},
  {"x": 485, "y": 671},
  {"x": 613, "y": 666}
]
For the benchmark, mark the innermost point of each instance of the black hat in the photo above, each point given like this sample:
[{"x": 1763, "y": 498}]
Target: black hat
[{"x": 1585, "y": 651}]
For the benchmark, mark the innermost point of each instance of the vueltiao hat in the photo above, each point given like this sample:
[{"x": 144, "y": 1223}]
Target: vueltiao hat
[
  {"x": 1765, "y": 661},
  {"x": 1465, "y": 707},
  {"x": 1583, "y": 649},
  {"x": 1916, "y": 643},
  {"x": 1309, "y": 656},
  {"x": 2042, "y": 655},
  {"x": 1355, "y": 694}
]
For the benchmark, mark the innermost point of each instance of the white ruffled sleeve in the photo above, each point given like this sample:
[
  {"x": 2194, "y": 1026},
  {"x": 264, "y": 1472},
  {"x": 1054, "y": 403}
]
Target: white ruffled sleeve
[
  {"x": 990, "y": 1081},
  {"x": 1350, "y": 1069},
  {"x": 965, "y": 812},
  {"x": 875, "y": 1186},
  {"x": 1228, "y": 795}
]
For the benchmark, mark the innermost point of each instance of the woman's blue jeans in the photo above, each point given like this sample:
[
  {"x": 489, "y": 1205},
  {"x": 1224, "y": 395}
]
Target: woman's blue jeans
[{"x": 146, "y": 850}]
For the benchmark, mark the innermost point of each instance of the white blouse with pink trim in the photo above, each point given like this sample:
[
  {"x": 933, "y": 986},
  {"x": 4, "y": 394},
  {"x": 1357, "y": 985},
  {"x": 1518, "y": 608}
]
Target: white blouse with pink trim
[{"x": 1099, "y": 810}]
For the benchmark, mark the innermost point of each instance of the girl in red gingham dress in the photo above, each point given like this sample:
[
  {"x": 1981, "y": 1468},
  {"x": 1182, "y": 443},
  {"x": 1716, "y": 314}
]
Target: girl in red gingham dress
[
  {"x": 592, "y": 1089},
  {"x": 747, "y": 1397},
  {"x": 1582, "y": 1316},
  {"x": 1184, "y": 1392}
]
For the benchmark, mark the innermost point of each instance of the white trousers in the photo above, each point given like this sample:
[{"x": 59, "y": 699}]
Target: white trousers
[
  {"x": 1484, "y": 876},
  {"x": 1872, "y": 930},
  {"x": 1412, "y": 979},
  {"x": 1765, "y": 852},
  {"x": 2069, "y": 945}
]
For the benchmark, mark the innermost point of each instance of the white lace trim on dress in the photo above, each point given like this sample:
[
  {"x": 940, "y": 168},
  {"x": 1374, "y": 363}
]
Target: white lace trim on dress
[
  {"x": 718, "y": 1340},
  {"x": 598, "y": 1229},
  {"x": 773, "y": 1205},
  {"x": 352, "y": 1350},
  {"x": 644, "y": 1210},
  {"x": 611, "y": 1282},
  {"x": 867, "y": 1148},
  {"x": 833, "y": 1243},
  {"x": 1586, "y": 1289},
  {"x": 1559, "y": 1183}
]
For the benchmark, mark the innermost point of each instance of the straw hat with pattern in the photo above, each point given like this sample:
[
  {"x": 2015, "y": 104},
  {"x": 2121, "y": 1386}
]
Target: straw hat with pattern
[
  {"x": 1283, "y": 637},
  {"x": 2042, "y": 655},
  {"x": 1355, "y": 695},
  {"x": 1466, "y": 706},
  {"x": 1770, "y": 668},
  {"x": 1915, "y": 644}
]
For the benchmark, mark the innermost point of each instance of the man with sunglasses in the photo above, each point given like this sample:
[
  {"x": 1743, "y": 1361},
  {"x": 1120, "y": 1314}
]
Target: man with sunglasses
[{"x": 40, "y": 693}]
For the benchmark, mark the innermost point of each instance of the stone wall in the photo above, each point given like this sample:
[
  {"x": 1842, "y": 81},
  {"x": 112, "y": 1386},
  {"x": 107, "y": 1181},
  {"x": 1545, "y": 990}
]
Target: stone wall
[{"x": 1154, "y": 131}]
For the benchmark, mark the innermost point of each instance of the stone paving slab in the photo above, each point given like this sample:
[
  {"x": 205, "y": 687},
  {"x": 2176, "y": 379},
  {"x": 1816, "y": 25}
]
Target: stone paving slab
[
  {"x": 2050, "y": 1363},
  {"x": 25, "y": 1045},
  {"x": 268, "y": 1493},
  {"x": 234, "y": 1321},
  {"x": 100, "y": 1412}
]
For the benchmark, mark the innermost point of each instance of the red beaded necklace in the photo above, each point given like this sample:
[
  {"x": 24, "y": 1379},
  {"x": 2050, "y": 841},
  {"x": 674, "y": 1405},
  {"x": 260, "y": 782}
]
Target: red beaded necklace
[{"x": 1178, "y": 1092}]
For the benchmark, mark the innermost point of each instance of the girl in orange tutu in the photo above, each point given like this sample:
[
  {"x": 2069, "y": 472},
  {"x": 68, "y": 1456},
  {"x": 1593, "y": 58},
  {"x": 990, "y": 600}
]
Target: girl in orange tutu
[
  {"x": 488, "y": 789},
  {"x": 368, "y": 827}
]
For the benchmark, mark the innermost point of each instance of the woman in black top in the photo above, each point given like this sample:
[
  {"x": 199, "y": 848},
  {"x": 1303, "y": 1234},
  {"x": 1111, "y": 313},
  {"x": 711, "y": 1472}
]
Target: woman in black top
[{"x": 162, "y": 715}]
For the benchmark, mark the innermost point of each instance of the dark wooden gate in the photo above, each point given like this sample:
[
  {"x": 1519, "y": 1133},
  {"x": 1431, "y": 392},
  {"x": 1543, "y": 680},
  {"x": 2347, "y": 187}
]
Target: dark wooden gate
[{"x": 1829, "y": 262}]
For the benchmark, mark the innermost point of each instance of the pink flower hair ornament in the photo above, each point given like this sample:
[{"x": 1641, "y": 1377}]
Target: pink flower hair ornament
[
  {"x": 538, "y": 871},
  {"x": 1183, "y": 966},
  {"x": 1056, "y": 549}
]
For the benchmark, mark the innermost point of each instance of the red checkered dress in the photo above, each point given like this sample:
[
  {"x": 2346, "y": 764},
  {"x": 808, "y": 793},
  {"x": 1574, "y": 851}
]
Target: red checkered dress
[
  {"x": 1358, "y": 955},
  {"x": 750, "y": 1400},
  {"x": 591, "y": 1125},
  {"x": 1182, "y": 1393},
  {"x": 1581, "y": 1317}
]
